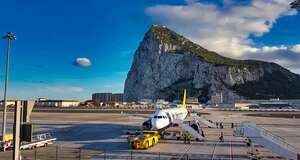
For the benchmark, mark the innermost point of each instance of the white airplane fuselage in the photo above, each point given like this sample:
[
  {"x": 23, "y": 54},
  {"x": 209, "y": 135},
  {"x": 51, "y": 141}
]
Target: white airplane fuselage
[{"x": 165, "y": 117}]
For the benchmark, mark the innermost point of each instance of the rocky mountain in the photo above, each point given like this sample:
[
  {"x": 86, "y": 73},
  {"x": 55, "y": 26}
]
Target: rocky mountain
[{"x": 166, "y": 62}]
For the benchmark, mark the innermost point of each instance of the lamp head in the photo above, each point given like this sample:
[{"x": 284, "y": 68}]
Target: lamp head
[{"x": 10, "y": 36}]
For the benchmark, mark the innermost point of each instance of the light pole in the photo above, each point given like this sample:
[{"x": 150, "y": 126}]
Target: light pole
[{"x": 9, "y": 36}]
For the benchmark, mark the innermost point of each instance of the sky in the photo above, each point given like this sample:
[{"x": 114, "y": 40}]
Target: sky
[{"x": 69, "y": 49}]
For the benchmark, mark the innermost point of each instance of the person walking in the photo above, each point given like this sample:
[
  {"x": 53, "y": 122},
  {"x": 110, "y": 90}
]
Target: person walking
[
  {"x": 202, "y": 133},
  {"x": 189, "y": 138},
  {"x": 185, "y": 137},
  {"x": 221, "y": 138},
  {"x": 248, "y": 142}
]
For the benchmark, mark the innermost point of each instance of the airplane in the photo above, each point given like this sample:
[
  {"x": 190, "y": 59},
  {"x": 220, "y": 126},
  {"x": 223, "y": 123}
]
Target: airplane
[
  {"x": 165, "y": 117},
  {"x": 176, "y": 116}
]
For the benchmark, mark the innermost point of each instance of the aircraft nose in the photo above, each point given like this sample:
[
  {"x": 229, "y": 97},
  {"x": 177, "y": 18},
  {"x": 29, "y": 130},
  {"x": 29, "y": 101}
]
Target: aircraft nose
[{"x": 155, "y": 124}]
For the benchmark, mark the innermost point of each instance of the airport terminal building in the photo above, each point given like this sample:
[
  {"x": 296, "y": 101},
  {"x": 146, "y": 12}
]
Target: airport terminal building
[
  {"x": 57, "y": 103},
  {"x": 107, "y": 97}
]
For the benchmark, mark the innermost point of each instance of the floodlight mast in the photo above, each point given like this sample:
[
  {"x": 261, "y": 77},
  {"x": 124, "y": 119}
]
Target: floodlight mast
[{"x": 10, "y": 37}]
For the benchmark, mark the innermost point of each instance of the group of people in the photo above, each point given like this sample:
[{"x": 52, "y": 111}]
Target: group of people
[
  {"x": 187, "y": 137},
  {"x": 220, "y": 125},
  {"x": 253, "y": 153}
]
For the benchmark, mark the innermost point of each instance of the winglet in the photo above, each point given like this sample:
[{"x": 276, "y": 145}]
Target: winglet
[{"x": 184, "y": 99}]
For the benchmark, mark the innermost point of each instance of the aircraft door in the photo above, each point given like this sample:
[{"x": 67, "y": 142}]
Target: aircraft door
[{"x": 169, "y": 118}]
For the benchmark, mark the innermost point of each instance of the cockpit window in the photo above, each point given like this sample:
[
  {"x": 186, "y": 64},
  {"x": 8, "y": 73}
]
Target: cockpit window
[{"x": 159, "y": 117}]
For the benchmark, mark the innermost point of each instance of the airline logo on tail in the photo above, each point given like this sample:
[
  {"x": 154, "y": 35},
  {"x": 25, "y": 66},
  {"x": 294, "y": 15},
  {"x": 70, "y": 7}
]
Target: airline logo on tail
[{"x": 184, "y": 99}]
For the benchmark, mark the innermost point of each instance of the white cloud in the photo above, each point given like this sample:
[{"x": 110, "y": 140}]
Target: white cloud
[
  {"x": 83, "y": 62},
  {"x": 270, "y": 49},
  {"x": 296, "y": 48},
  {"x": 224, "y": 30},
  {"x": 227, "y": 30},
  {"x": 282, "y": 55}
]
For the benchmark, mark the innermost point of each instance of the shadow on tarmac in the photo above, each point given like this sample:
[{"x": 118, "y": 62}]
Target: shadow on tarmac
[{"x": 92, "y": 136}]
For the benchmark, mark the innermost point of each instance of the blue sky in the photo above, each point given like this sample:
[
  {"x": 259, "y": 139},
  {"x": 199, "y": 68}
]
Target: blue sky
[{"x": 52, "y": 34}]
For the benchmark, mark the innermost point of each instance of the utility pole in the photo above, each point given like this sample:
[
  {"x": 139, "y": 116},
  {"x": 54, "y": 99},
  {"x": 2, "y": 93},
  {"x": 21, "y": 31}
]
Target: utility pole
[
  {"x": 17, "y": 129},
  {"x": 9, "y": 36}
]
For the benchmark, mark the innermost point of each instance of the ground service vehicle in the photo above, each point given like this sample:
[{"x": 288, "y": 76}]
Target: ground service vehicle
[
  {"x": 8, "y": 142},
  {"x": 143, "y": 139},
  {"x": 40, "y": 140}
]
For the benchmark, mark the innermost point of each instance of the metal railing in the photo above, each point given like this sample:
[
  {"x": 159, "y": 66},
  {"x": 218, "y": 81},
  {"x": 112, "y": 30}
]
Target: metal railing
[
  {"x": 268, "y": 135},
  {"x": 57, "y": 152},
  {"x": 278, "y": 139}
]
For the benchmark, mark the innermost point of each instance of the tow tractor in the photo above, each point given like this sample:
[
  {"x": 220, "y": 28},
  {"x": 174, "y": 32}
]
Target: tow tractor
[{"x": 143, "y": 139}]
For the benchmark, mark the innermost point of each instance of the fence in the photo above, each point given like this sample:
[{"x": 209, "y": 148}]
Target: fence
[{"x": 56, "y": 152}]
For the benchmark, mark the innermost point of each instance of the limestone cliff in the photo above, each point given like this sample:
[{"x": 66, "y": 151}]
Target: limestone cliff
[{"x": 166, "y": 62}]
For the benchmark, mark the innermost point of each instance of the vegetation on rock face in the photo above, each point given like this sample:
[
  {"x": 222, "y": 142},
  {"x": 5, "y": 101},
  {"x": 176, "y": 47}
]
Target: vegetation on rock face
[{"x": 184, "y": 45}]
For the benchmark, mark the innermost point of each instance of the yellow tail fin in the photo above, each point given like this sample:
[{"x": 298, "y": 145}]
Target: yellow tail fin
[{"x": 184, "y": 99}]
